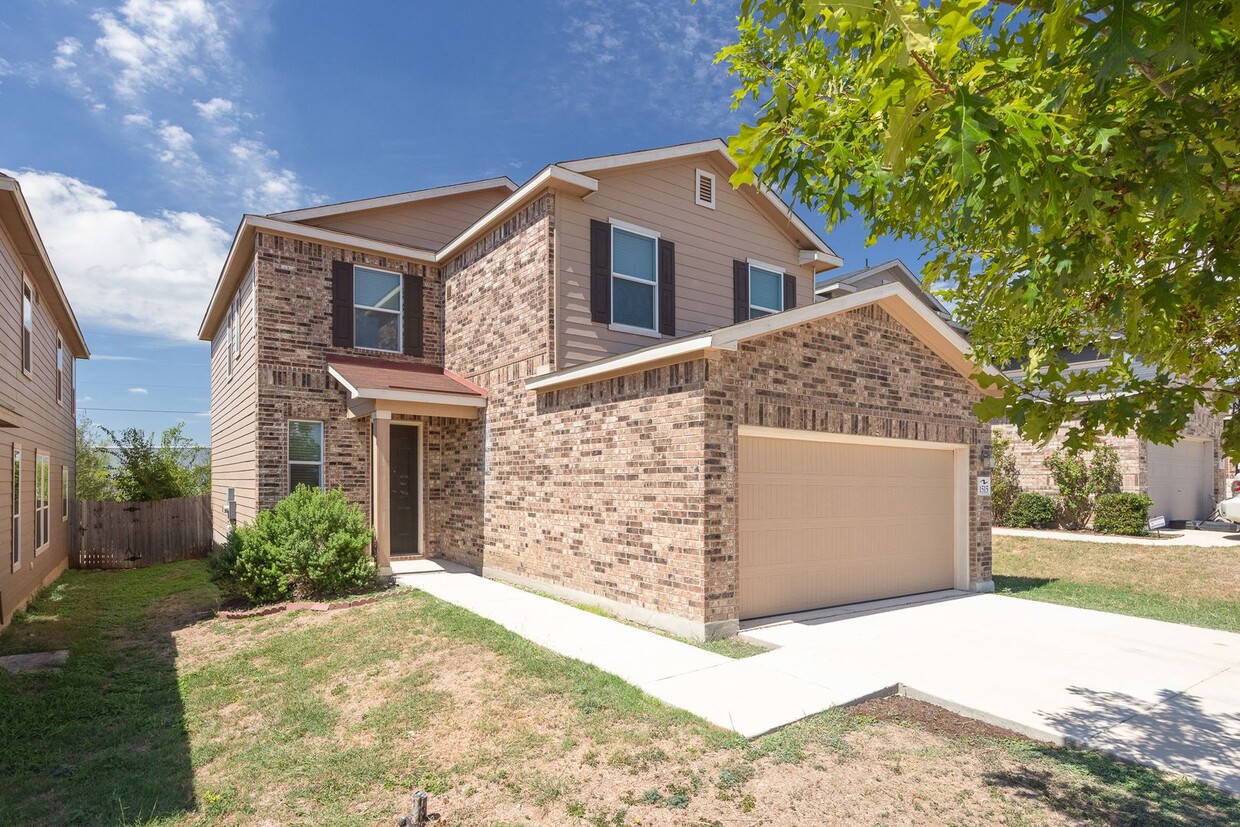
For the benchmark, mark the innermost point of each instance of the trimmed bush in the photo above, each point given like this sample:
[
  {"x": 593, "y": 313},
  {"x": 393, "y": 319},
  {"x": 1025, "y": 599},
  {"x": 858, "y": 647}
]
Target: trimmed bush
[
  {"x": 220, "y": 561},
  {"x": 1122, "y": 514},
  {"x": 313, "y": 543},
  {"x": 1031, "y": 510}
]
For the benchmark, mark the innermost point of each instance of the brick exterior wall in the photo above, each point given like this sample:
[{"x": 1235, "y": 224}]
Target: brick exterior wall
[{"x": 1132, "y": 452}]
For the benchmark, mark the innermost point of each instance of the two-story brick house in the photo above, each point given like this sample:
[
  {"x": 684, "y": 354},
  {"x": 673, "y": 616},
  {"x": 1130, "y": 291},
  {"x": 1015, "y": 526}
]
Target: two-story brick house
[
  {"x": 38, "y": 444},
  {"x": 610, "y": 382}
]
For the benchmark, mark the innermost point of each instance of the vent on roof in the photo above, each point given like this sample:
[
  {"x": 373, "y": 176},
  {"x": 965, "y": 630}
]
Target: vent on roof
[{"x": 704, "y": 193}]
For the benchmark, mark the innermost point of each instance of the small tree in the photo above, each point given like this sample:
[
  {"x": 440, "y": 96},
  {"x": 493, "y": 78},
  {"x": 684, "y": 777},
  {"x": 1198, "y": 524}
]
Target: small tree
[
  {"x": 1005, "y": 480},
  {"x": 94, "y": 466},
  {"x": 1081, "y": 481},
  {"x": 147, "y": 471}
]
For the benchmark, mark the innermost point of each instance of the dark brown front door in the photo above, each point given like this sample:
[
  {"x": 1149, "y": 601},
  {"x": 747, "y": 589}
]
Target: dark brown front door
[{"x": 404, "y": 490}]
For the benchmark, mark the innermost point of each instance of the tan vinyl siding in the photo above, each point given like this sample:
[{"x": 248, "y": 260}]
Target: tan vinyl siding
[
  {"x": 47, "y": 426},
  {"x": 661, "y": 198},
  {"x": 427, "y": 224},
  {"x": 234, "y": 416}
]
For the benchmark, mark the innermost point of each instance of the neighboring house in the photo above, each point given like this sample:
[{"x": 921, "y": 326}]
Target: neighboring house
[
  {"x": 1185, "y": 480},
  {"x": 836, "y": 285},
  {"x": 611, "y": 383},
  {"x": 38, "y": 441}
]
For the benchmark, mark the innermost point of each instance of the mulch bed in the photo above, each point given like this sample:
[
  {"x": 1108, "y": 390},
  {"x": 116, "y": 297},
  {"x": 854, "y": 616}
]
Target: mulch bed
[
  {"x": 933, "y": 719},
  {"x": 314, "y": 606}
]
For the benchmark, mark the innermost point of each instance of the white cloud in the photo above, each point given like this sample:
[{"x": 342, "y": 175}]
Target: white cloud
[
  {"x": 143, "y": 273},
  {"x": 150, "y": 61},
  {"x": 651, "y": 54},
  {"x": 139, "y": 391},
  {"x": 215, "y": 108}
]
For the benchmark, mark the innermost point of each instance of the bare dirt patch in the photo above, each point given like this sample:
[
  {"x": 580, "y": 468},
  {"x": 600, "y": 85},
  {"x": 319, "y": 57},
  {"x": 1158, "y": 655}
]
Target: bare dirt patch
[{"x": 932, "y": 719}]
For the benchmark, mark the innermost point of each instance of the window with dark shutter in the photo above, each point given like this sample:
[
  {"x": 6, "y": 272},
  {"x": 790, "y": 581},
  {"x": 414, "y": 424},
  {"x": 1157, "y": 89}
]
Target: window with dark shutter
[
  {"x": 790, "y": 291},
  {"x": 667, "y": 287},
  {"x": 740, "y": 291},
  {"x": 342, "y": 304},
  {"x": 600, "y": 272},
  {"x": 414, "y": 331}
]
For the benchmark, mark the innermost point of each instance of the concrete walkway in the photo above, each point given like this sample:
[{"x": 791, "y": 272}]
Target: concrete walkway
[
  {"x": 1157, "y": 693},
  {"x": 1190, "y": 537}
]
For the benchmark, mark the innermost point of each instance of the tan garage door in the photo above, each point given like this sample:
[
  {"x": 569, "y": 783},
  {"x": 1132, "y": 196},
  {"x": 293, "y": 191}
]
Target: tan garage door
[
  {"x": 1181, "y": 479},
  {"x": 830, "y": 523}
]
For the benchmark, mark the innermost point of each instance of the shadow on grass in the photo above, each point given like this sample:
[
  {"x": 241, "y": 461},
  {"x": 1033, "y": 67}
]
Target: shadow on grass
[
  {"x": 1008, "y": 584},
  {"x": 103, "y": 741},
  {"x": 1089, "y": 787}
]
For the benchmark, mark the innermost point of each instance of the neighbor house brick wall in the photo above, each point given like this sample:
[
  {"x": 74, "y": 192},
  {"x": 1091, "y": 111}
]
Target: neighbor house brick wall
[
  {"x": 1132, "y": 452},
  {"x": 857, "y": 373}
]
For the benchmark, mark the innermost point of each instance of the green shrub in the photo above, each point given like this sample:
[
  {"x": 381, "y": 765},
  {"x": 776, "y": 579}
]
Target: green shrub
[
  {"x": 313, "y": 542},
  {"x": 220, "y": 561},
  {"x": 1122, "y": 514},
  {"x": 1030, "y": 510},
  {"x": 1081, "y": 481},
  {"x": 1005, "y": 480}
]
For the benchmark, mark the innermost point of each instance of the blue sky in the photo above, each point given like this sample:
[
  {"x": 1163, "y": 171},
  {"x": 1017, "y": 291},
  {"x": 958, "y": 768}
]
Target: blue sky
[{"x": 142, "y": 129}]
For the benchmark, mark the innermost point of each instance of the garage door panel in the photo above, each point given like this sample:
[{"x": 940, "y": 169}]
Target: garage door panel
[
  {"x": 1181, "y": 479},
  {"x": 827, "y": 523}
]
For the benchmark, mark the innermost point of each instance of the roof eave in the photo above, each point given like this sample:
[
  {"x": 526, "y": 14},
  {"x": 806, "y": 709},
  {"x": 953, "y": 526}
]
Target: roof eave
[{"x": 380, "y": 202}]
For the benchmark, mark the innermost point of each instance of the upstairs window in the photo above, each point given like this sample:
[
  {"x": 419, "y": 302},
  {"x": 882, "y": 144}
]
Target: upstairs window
[
  {"x": 305, "y": 454},
  {"x": 377, "y": 309},
  {"x": 634, "y": 279},
  {"x": 27, "y": 325},
  {"x": 766, "y": 291}
]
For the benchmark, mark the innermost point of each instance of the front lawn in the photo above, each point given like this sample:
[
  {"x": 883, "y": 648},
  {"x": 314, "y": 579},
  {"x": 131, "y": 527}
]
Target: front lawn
[
  {"x": 1180, "y": 584},
  {"x": 165, "y": 716}
]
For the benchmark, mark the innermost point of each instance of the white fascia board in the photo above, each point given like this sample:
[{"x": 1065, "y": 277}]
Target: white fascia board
[
  {"x": 339, "y": 239},
  {"x": 623, "y": 363},
  {"x": 430, "y": 397},
  {"x": 549, "y": 176},
  {"x": 646, "y": 156},
  {"x": 833, "y": 287},
  {"x": 826, "y": 261},
  {"x": 363, "y": 204},
  {"x": 345, "y": 383}
]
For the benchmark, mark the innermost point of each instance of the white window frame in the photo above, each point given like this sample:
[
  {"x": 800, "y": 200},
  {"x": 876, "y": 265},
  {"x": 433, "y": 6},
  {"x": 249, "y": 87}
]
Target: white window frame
[
  {"x": 770, "y": 268},
  {"x": 60, "y": 369},
  {"x": 400, "y": 314},
  {"x": 27, "y": 329},
  {"x": 697, "y": 189},
  {"x": 15, "y": 469},
  {"x": 617, "y": 224},
  {"x": 289, "y": 462},
  {"x": 42, "y": 508}
]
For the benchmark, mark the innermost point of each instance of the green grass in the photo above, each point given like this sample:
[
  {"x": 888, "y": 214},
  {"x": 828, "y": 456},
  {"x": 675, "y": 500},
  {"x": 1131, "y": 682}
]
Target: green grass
[
  {"x": 1178, "y": 584},
  {"x": 162, "y": 719},
  {"x": 1210, "y": 614}
]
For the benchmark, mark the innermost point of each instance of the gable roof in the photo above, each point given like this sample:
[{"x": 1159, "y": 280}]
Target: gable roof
[
  {"x": 569, "y": 176},
  {"x": 885, "y": 273},
  {"x": 16, "y": 219},
  {"x": 895, "y": 298},
  {"x": 361, "y": 205}
]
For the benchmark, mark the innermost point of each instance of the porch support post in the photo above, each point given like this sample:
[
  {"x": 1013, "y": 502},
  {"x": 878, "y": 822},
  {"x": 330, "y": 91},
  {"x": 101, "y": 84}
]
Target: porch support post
[{"x": 381, "y": 444}]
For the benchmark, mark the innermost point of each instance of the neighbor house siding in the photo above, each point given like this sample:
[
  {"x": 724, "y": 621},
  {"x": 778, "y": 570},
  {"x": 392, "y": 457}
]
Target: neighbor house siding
[
  {"x": 427, "y": 225},
  {"x": 47, "y": 426},
  {"x": 660, "y": 197},
  {"x": 234, "y": 407}
]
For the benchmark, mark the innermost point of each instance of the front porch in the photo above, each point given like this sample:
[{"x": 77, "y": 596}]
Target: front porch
[{"x": 426, "y": 441}]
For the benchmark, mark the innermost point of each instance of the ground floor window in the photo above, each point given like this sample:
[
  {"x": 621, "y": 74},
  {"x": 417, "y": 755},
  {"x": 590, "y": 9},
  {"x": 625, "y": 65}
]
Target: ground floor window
[
  {"x": 64, "y": 492},
  {"x": 305, "y": 454},
  {"x": 17, "y": 505},
  {"x": 42, "y": 498}
]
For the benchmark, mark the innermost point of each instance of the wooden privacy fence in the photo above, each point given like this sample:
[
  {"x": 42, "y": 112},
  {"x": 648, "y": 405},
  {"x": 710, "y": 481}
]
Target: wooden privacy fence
[{"x": 132, "y": 535}]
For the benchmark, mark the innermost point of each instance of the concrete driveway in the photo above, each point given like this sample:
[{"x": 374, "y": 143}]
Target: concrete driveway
[{"x": 1157, "y": 693}]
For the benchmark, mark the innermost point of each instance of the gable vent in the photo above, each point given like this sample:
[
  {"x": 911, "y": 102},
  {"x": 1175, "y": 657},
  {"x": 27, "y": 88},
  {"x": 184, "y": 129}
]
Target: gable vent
[{"x": 704, "y": 192}]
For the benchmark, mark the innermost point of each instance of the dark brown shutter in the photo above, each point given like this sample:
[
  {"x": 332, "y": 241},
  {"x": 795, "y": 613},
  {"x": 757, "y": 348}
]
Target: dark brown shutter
[
  {"x": 740, "y": 291},
  {"x": 342, "y": 304},
  {"x": 667, "y": 287},
  {"x": 413, "y": 324},
  {"x": 600, "y": 272},
  {"x": 790, "y": 291}
]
